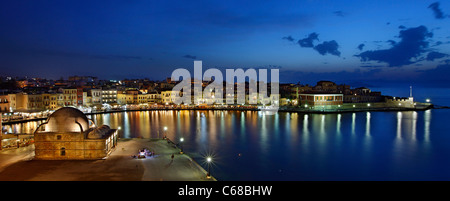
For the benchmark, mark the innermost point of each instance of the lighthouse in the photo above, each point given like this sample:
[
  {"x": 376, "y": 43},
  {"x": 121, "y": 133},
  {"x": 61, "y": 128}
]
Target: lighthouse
[
  {"x": 410, "y": 92},
  {"x": 411, "y": 98}
]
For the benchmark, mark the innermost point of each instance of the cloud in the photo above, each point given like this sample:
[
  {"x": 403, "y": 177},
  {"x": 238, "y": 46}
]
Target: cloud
[
  {"x": 328, "y": 47},
  {"x": 289, "y": 38},
  {"x": 190, "y": 56},
  {"x": 438, "y": 43},
  {"x": 435, "y": 55},
  {"x": 339, "y": 13},
  {"x": 412, "y": 44},
  {"x": 438, "y": 14},
  {"x": 391, "y": 42},
  {"x": 308, "y": 42},
  {"x": 361, "y": 46}
]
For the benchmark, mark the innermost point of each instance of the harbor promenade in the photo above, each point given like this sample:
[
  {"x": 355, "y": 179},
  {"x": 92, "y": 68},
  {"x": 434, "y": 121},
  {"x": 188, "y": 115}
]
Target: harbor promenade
[
  {"x": 346, "y": 107},
  {"x": 18, "y": 165}
]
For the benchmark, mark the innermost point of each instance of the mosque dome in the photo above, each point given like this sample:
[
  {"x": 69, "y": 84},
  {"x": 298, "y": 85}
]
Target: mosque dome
[
  {"x": 99, "y": 132},
  {"x": 67, "y": 119}
]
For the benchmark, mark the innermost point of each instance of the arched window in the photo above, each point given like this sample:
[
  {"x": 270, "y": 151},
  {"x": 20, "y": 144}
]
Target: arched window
[{"x": 63, "y": 151}]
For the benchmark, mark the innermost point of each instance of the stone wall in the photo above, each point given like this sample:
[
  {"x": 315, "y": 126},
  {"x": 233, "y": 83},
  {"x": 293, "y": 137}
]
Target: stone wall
[{"x": 68, "y": 146}]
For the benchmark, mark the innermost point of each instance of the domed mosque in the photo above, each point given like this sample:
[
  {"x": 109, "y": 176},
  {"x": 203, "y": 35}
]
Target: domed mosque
[{"x": 69, "y": 135}]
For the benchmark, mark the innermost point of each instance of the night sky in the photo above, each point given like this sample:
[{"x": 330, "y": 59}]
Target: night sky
[{"x": 355, "y": 42}]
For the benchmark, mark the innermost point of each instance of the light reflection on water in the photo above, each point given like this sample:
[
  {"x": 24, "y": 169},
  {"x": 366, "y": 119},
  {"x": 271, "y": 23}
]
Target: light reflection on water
[{"x": 251, "y": 145}]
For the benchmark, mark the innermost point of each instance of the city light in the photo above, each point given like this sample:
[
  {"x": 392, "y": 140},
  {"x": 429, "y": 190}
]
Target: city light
[
  {"x": 209, "y": 160},
  {"x": 181, "y": 146}
]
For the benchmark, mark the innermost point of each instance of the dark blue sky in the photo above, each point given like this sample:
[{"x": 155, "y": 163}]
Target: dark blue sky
[{"x": 369, "y": 42}]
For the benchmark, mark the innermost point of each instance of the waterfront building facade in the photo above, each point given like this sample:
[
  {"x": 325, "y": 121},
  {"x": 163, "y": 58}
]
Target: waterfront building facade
[
  {"x": 167, "y": 96},
  {"x": 321, "y": 99},
  {"x": 50, "y": 101},
  {"x": 400, "y": 102},
  {"x": 4, "y": 103},
  {"x": 70, "y": 96},
  {"x": 154, "y": 97},
  {"x": 123, "y": 99},
  {"x": 96, "y": 96},
  {"x": 109, "y": 96},
  {"x": 142, "y": 98},
  {"x": 26, "y": 102}
]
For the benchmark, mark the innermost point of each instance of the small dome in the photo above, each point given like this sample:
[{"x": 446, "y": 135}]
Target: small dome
[
  {"x": 67, "y": 119},
  {"x": 98, "y": 132}
]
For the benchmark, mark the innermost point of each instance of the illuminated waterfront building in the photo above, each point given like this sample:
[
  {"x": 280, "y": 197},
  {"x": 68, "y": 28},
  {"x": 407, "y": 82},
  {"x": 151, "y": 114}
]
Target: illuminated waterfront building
[
  {"x": 123, "y": 99},
  {"x": 167, "y": 96},
  {"x": 154, "y": 97},
  {"x": 70, "y": 96},
  {"x": 96, "y": 96},
  {"x": 69, "y": 135},
  {"x": 4, "y": 103},
  {"x": 50, "y": 101},
  {"x": 109, "y": 96},
  {"x": 26, "y": 102},
  {"x": 321, "y": 99},
  {"x": 131, "y": 96}
]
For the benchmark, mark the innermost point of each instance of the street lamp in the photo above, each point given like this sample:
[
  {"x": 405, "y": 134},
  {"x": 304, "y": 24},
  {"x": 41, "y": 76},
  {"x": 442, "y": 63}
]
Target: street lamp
[
  {"x": 181, "y": 147},
  {"x": 209, "y": 160},
  {"x": 164, "y": 129}
]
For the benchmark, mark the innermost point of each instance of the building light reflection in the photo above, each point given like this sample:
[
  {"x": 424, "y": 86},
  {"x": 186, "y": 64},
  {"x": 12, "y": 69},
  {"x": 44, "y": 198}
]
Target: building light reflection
[
  {"x": 322, "y": 124},
  {"x": 305, "y": 124},
  {"x": 399, "y": 125},
  {"x": 427, "y": 120},
  {"x": 353, "y": 123},
  {"x": 368, "y": 124},
  {"x": 338, "y": 124},
  {"x": 413, "y": 126}
]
